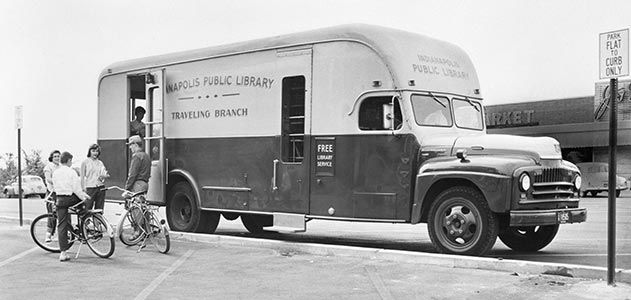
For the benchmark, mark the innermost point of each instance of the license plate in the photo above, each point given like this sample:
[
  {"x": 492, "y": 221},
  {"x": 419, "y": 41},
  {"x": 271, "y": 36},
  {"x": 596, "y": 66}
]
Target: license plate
[{"x": 563, "y": 217}]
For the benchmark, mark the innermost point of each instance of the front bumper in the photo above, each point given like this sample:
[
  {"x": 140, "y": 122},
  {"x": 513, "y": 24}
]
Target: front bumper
[{"x": 547, "y": 217}]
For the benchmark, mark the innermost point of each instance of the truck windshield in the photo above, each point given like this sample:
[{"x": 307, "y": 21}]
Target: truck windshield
[
  {"x": 431, "y": 110},
  {"x": 468, "y": 113}
]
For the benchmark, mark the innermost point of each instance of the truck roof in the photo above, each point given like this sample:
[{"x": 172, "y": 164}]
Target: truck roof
[{"x": 404, "y": 53}]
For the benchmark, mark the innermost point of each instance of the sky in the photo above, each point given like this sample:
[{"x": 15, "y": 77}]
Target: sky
[{"x": 52, "y": 52}]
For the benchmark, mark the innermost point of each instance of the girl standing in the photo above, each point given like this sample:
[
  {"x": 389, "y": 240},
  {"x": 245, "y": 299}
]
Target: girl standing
[
  {"x": 93, "y": 175},
  {"x": 53, "y": 164}
]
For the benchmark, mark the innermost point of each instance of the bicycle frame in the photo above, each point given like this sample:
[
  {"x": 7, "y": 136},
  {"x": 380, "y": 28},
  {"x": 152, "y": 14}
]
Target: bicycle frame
[
  {"x": 78, "y": 232},
  {"x": 144, "y": 219}
]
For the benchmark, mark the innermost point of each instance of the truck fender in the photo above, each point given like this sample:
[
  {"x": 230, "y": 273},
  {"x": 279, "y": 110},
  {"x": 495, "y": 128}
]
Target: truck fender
[
  {"x": 494, "y": 187},
  {"x": 184, "y": 176}
]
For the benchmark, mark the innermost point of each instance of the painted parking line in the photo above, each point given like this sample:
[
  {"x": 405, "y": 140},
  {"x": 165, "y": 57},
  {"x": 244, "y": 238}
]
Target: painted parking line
[
  {"x": 14, "y": 258},
  {"x": 566, "y": 255},
  {"x": 378, "y": 283},
  {"x": 156, "y": 282}
]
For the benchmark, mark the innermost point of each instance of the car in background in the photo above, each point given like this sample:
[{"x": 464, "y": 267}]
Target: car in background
[
  {"x": 596, "y": 179},
  {"x": 31, "y": 185}
]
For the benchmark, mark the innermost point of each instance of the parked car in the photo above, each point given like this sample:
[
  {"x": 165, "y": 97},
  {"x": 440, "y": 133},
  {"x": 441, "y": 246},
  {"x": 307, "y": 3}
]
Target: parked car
[
  {"x": 596, "y": 179},
  {"x": 31, "y": 185}
]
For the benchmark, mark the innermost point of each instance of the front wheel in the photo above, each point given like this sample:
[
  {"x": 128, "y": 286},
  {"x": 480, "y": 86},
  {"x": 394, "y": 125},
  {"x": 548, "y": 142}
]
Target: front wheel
[
  {"x": 99, "y": 235},
  {"x": 128, "y": 230},
  {"x": 528, "y": 238},
  {"x": 460, "y": 222}
]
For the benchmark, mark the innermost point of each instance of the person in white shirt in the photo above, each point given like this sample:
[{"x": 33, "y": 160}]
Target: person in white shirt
[{"x": 67, "y": 186}]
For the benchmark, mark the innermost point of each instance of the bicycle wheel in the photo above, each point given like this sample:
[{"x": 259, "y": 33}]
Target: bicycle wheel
[
  {"x": 39, "y": 228},
  {"x": 159, "y": 234},
  {"x": 128, "y": 231},
  {"x": 98, "y": 235}
]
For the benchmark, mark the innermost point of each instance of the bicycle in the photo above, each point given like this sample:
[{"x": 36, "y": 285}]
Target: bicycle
[
  {"x": 92, "y": 229},
  {"x": 150, "y": 227}
]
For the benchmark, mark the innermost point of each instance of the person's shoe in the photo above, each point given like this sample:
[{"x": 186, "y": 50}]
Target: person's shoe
[
  {"x": 49, "y": 237},
  {"x": 63, "y": 256}
]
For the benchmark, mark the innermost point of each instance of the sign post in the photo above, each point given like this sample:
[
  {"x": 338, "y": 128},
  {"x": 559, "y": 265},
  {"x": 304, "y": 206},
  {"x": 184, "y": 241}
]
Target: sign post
[
  {"x": 614, "y": 63},
  {"x": 18, "y": 126}
]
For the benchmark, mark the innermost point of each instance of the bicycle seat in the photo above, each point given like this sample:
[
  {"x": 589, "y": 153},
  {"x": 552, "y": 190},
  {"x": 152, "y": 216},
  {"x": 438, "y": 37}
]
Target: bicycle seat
[{"x": 133, "y": 195}]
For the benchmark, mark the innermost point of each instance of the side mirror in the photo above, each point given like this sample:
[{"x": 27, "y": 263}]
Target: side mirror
[{"x": 388, "y": 116}]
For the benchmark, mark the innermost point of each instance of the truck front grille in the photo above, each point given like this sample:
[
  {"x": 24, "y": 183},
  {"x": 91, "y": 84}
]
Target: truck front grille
[{"x": 552, "y": 184}]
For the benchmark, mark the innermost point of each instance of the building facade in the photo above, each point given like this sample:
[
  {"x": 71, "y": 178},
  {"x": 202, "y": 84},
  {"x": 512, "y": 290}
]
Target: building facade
[{"x": 581, "y": 124}]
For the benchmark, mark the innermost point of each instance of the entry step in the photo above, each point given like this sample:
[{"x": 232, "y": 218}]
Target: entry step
[
  {"x": 285, "y": 229},
  {"x": 288, "y": 223}
]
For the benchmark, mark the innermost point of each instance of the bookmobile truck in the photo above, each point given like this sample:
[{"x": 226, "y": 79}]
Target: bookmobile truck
[{"x": 351, "y": 123}]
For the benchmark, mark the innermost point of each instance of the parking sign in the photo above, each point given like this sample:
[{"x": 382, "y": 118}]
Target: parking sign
[
  {"x": 614, "y": 54},
  {"x": 18, "y": 117}
]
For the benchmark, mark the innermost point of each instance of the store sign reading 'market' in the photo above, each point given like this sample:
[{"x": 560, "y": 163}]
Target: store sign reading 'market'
[{"x": 513, "y": 118}]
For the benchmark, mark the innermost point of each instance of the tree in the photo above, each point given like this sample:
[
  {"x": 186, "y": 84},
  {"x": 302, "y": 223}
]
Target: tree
[
  {"x": 33, "y": 165},
  {"x": 9, "y": 169}
]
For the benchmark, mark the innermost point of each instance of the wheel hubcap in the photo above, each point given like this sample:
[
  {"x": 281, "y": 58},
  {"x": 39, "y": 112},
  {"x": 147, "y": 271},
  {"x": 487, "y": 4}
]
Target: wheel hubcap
[
  {"x": 182, "y": 210},
  {"x": 459, "y": 224}
]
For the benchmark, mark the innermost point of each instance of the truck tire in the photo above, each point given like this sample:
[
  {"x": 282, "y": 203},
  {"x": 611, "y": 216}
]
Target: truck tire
[
  {"x": 528, "y": 238},
  {"x": 460, "y": 222},
  {"x": 255, "y": 223},
  {"x": 184, "y": 214}
]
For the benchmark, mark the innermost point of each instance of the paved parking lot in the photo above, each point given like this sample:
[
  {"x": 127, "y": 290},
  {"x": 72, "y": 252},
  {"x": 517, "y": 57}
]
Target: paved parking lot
[
  {"x": 584, "y": 243},
  {"x": 202, "y": 270}
]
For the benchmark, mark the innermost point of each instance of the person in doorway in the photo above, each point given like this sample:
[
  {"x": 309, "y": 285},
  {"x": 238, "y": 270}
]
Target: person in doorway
[
  {"x": 53, "y": 164},
  {"x": 137, "y": 127},
  {"x": 93, "y": 174},
  {"x": 139, "y": 167},
  {"x": 68, "y": 189}
]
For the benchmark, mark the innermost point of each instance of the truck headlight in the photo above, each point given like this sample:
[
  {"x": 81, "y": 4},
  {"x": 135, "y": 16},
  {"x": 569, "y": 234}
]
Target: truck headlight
[
  {"x": 577, "y": 182},
  {"x": 524, "y": 182}
]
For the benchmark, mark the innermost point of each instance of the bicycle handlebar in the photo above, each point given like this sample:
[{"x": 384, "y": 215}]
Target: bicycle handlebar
[
  {"x": 132, "y": 194},
  {"x": 47, "y": 199},
  {"x": 116, "y": 187}
]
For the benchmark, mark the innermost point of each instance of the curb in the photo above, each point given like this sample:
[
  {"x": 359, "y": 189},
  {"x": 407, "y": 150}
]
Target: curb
[{"x": 442, "y": 260}]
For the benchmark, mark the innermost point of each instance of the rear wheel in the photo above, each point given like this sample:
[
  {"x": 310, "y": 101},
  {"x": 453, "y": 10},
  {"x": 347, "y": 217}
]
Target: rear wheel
[
  {"x": 97, "y": 234},
  {"x": 39, "y": 228},
  {"x": 184, "y": 214},
  {"x": 460, "y": 222},
  {"x": 128, "y": 231},
  {"x": 528, "y": 238},
  {"x": 255, "y": 223}
]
